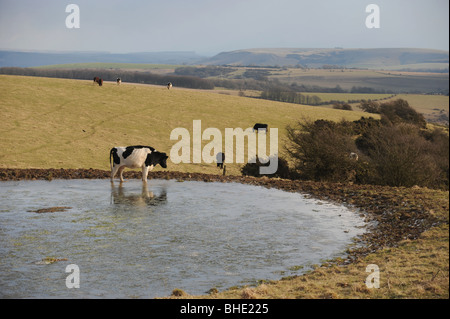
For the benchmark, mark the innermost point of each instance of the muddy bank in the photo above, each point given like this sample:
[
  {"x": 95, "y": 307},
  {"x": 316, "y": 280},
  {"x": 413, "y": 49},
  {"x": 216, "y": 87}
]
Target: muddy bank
[{"x": 395, "y": 213}]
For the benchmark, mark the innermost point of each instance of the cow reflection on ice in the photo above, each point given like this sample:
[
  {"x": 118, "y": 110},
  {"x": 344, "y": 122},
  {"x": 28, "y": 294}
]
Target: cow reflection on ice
[{"x": 145, "y": 198}]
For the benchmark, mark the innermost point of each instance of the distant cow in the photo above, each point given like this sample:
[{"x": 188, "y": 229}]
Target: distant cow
[
  {"x": 145, "y": 157},
  {"x": 119, "y": 80},
  {"x": 220, "y": 158},
  {"x": 169, "y": 85},
  {"x": 98, "y": 80},
  {"x": 259, "y": 126}
]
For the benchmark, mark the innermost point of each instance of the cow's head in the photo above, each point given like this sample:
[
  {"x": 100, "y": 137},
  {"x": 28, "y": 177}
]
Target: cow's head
[
  {"x": 163, "y": 160},
  {"x": 155, "y": 158}
]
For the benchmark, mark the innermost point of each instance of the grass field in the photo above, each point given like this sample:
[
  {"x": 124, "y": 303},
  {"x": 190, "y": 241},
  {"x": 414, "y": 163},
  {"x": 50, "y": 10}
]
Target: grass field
[
  {"x": 405, "y": 273},
  {"x": 60, "y": 123},
  {"x": 381, "y": 80},
  {"x": 396, "y": 81}
]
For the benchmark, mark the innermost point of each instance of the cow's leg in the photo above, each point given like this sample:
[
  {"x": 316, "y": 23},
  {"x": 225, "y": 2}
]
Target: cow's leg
[
  {"x": 114, "y": 171},
  {"x": 144, "y": 173},
  {"x": 120, "y": 173},
  {"x": 145, "y": 170}
]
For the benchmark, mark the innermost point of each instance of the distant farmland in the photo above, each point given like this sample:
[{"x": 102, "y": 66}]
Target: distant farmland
[{"x": 379, "y": 81}]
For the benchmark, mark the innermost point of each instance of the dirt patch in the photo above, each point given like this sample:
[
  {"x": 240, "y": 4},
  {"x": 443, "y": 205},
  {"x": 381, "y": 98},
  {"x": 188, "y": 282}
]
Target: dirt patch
[
  {"x": 394, "y": 213},
  {"x": 49, "y": 260},
  {"x": 52, "y": 173},
  {"x": 50, "y": 209}
]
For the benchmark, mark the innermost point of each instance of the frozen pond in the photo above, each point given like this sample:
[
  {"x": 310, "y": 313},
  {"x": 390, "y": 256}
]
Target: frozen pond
[{"x": 135, "y": 241}]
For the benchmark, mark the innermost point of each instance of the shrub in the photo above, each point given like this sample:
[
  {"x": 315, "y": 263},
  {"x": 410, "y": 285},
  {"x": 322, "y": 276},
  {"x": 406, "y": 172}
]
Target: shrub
[
  {"x": 439, "y": 150},
  {"x": 399, "y": 111},
  {"x": 364, "y": 124},
  {"x": 342, "y": 106},
  {"x": 400, "y": 156},
  {"x": 370, "y": 106},
  {"x": 283, "y": 171},
  {"x": 320, "y": 151},
  {"x": 395, "y": 112}
]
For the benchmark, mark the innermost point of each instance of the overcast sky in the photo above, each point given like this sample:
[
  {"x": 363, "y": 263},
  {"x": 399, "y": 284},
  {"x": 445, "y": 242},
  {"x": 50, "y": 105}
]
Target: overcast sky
[{"x": 211, "y": 26}]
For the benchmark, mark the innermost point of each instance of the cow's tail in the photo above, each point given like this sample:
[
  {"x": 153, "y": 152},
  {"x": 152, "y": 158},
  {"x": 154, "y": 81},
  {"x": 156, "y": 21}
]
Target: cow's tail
[{"x": 110, "y": 156}]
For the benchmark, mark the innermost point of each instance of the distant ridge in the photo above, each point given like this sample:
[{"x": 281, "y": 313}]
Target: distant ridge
[
  {"x": 26, "y": 59},
  {"x": 383, "y": 58}
]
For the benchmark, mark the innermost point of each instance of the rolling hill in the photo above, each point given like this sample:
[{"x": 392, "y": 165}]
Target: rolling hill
[
  {"x": 387, "y": 58},
  {"x": 62, "y": 123},
  {"x": 382, "y": 58},
  {"x": 34, "y": 59}
]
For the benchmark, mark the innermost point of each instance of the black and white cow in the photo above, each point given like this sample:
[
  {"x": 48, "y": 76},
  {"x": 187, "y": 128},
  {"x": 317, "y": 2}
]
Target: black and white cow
[
  {"x": 169, "y": 85},
  {"x": 138, "y": 156},
  {"x": 259, "y": 126},
  {"x": 220, "y": 159},
  {"x": 119, "y": 80}
]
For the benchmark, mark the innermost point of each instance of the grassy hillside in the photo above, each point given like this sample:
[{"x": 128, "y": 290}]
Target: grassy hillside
[
  {"x": 60, "y": 123},
  {"x": 346, "y": 79},
  {"x": 395, "y": 58}
]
